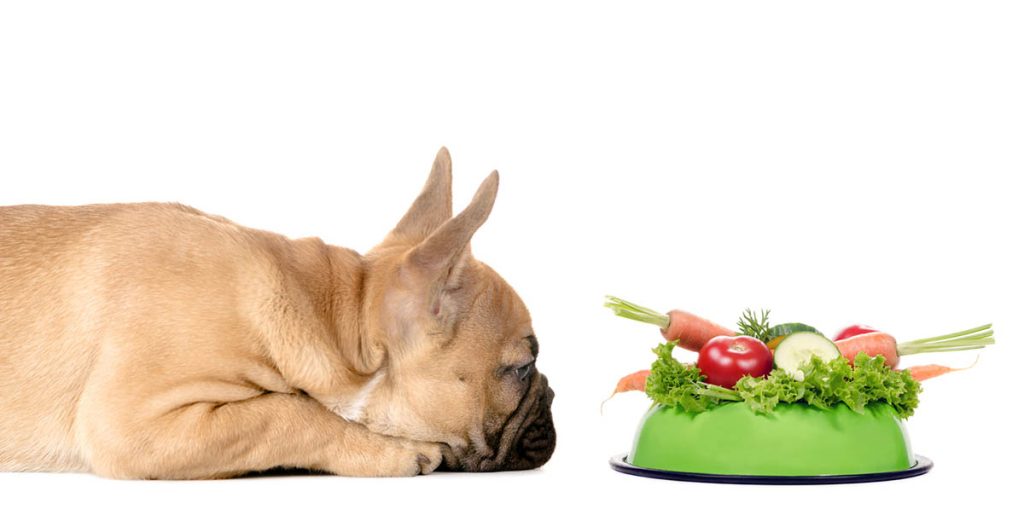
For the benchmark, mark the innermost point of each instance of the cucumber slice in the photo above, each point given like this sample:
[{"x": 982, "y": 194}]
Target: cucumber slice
[
  {"x": 778, "y": 332},
  {"x": 796, "y": 350},
  {"x": 790, "y": 328}
]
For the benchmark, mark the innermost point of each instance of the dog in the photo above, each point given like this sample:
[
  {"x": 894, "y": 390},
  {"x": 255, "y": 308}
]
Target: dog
[{"x": 155, "y": 341}]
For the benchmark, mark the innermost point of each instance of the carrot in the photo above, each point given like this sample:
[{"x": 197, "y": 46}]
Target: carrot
[
  {"x": 883, "y": 344},
  {"x": 635, "y": 382},
  {"x": 691, "y": 331},
  {"x": 872, "y": 344},
  {"x": 922, "y": 372}
]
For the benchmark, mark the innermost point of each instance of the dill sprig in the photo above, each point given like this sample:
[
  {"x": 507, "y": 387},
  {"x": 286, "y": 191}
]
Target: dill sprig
[{"x": 754, "y": 324}]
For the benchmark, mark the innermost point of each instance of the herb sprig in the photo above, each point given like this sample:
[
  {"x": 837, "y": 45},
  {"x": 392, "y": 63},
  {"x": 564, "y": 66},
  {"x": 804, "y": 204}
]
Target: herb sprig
[{"x": 754, "y": 324}]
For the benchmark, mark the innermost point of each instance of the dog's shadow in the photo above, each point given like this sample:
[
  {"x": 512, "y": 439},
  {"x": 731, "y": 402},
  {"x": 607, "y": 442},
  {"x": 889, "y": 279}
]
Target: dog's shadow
[
  {"x": 295, "y": 472},
  {"x": 283, "y": 472}
]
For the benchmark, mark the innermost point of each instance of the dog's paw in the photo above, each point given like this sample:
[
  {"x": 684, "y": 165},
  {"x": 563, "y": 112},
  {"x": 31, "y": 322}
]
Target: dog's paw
[
  {"x": 428, "y": 456},
  {"x": 410, "y": 458}
]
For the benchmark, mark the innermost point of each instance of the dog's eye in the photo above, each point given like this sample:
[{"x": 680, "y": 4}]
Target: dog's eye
[{"x": 523, "y": 372}]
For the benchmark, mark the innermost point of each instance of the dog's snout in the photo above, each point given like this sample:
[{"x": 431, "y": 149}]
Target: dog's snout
[
  {"x": 536, "y": 446},
  {"x": 537, "y": 443},
  {"x": 526, "y": 442}
]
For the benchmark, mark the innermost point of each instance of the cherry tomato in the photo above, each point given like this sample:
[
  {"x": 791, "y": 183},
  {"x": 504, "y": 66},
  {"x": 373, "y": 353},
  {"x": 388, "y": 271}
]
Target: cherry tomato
[
  {"x": 854, "y": 330},
  {"x": 725, "y": 359}
]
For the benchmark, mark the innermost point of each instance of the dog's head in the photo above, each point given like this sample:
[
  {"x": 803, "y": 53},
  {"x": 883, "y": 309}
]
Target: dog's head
[{"x": 459, "y": 344}]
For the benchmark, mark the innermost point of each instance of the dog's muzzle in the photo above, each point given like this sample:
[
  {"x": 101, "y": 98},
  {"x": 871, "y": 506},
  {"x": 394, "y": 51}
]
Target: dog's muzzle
[{"x": 525, "y": 442}]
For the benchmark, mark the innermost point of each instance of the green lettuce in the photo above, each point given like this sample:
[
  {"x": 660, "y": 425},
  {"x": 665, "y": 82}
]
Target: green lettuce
[
  {"x": 825, "y": 384},
  {"x": 676, "y": 384}
]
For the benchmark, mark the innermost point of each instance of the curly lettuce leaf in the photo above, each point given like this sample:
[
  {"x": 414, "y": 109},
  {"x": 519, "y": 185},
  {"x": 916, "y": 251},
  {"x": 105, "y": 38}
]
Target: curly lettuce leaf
[
  {"x": 763, "y": 394},
  {"x": 825, "y": 384},
  {"x": 878, "y": 382},
  {"x": 672, "y": 383}
]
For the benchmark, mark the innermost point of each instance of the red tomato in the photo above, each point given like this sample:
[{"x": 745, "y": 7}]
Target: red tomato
[
  {"x": 854, "y": 330},
  {"x": 725, "y": 359}
]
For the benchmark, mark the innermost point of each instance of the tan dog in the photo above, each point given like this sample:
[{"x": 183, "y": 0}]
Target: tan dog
[{"x": 155, "y": 341}]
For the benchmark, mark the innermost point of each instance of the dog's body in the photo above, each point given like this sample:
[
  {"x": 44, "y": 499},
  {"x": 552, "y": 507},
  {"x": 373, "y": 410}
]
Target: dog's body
[{"x": 155, "y": 341}]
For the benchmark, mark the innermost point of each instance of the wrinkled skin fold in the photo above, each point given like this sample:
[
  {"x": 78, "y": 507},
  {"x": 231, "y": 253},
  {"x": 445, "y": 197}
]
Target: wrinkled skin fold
[{"x": 526, "y": 441}]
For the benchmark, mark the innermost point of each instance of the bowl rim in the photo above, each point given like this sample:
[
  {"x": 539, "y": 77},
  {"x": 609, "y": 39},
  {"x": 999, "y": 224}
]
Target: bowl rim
[{"x": 619, "y": 464}]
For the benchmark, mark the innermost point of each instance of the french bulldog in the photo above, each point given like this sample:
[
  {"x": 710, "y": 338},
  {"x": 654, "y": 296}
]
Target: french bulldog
[{"x": 157, "y": 341}]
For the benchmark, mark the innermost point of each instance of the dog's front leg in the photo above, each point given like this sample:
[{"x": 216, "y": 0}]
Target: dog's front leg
[{"x": 211, "y": 440}]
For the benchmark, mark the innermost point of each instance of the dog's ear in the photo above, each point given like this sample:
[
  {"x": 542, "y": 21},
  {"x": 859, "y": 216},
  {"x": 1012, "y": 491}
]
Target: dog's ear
[
  {"x": 432, "y": 208},
  {"x": 439, "y": 261}
]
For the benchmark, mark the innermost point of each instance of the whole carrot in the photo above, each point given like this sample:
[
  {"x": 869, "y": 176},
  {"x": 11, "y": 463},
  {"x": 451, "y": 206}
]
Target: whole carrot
[
  {"x": 690, "y": 330},
  {"x": 883, "y": 344}
]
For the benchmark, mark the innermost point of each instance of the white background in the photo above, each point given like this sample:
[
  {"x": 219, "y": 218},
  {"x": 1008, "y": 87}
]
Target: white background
[{"x": 835, "y": 162}]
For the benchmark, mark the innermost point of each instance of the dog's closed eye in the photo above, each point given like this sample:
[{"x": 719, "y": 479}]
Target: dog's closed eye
[{"x": 523, "y": 372}]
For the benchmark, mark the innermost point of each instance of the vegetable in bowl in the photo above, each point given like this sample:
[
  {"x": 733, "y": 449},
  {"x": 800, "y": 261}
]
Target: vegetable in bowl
[
  {"x": 825, "y": 384},
  {"x": 798, "y": 364}
]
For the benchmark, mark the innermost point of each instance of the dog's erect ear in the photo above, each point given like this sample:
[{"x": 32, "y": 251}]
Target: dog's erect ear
[
  {"x": 432, "y": 208},
  {"x": 440, "y": 259}
]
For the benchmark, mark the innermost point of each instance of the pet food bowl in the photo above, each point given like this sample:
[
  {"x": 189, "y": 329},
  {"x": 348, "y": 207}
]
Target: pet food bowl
[{"x": 795, "y": 443}]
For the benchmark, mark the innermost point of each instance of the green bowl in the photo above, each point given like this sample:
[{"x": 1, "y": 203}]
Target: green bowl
[{"x": 793, "y": 440}]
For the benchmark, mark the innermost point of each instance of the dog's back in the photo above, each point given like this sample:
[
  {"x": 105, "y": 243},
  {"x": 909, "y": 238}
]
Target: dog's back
[
  {"x": 42, "y": 366},
  {"x": 59, "y": 269}
]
